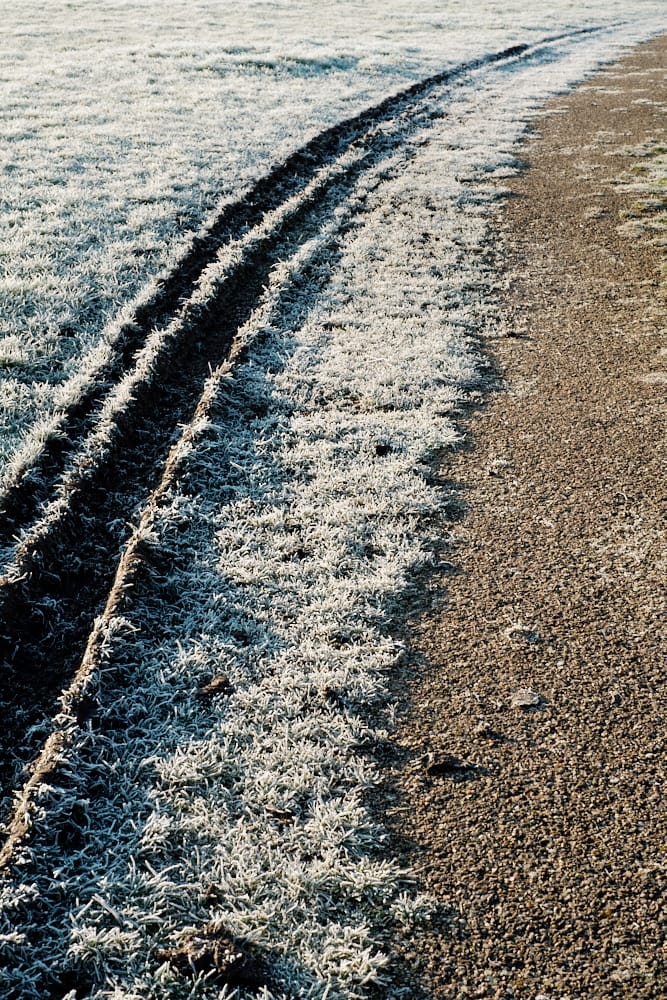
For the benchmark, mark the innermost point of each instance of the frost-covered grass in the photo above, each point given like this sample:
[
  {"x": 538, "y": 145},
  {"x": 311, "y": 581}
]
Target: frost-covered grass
[
  {"x": 295, "y": 516},
  {"x": 649, "y": 213},
  {"x": 123, "y": 124}
]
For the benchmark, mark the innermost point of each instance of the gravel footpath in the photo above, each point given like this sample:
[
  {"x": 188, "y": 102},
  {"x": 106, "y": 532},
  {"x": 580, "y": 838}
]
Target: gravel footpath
[{"x": 541, "y": 829}]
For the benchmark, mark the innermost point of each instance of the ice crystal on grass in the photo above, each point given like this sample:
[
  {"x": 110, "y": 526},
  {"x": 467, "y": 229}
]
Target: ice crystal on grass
[
  {"x": 649, "y": 212},
  {"x": 117, "y": 146},
  {"x": 297, "y": 511}
]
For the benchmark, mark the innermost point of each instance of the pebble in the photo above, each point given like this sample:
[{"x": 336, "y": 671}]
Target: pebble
[{"x": 525, "y": 698}]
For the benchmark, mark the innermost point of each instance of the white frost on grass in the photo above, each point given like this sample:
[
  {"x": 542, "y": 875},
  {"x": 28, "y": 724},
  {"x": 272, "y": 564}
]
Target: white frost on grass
[
  {"x": 298, "y": 517},
  {"x": 123, "y": 124},
  {"x": 649, "y": 212}
]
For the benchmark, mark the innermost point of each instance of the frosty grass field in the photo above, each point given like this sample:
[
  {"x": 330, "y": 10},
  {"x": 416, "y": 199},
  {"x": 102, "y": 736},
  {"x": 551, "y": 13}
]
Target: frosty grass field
[{"x": 295, "y": 505}]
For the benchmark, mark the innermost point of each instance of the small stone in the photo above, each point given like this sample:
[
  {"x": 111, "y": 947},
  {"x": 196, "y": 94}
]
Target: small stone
[
  {"x": 485, "y": 731},
  {"x": 525, "y": 698},
  {"x": 521, "y": 633},
  {"x": 497, "y": 467}
]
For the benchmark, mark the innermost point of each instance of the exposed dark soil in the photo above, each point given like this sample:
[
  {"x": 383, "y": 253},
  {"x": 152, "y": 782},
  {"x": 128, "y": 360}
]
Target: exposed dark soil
[{"x": 532, "y": 801}]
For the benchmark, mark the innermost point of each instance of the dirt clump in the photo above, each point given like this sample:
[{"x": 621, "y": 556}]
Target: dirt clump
[{"x": 215, "y": 952}]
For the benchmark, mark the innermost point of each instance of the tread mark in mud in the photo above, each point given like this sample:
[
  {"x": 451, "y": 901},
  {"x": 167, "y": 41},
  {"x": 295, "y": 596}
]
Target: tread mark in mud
[
  {"x": 21, "y": 499},
  {"x": 65, "y": 563}
]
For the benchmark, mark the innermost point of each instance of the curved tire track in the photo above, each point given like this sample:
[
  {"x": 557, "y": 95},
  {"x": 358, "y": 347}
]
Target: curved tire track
[
  {"x": 110, "y": 453},
  {"x": 22, "y": 497}
]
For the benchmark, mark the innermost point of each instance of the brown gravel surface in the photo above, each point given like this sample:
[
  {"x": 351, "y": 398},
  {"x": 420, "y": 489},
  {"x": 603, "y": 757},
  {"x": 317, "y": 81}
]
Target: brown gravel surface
[{"x": 531, "y": 797}]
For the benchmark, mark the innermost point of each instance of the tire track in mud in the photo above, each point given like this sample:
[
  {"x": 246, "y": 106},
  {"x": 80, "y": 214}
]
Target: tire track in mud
[
  {"x": 21, "y": 499},
  {"x": 110, "y": 453},
  {"x": 23, "y": 496}
]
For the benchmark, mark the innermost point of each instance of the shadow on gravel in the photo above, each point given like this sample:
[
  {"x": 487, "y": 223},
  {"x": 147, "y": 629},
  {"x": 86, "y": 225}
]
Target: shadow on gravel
[{"x": 428, "y": 590}]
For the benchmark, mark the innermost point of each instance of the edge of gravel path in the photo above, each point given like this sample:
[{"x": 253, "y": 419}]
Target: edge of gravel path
[{"x": 541, "y": 829}]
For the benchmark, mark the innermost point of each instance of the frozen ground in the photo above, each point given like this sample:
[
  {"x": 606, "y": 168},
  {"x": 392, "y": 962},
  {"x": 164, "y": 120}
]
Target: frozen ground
[{"x": 294, "y": 510}]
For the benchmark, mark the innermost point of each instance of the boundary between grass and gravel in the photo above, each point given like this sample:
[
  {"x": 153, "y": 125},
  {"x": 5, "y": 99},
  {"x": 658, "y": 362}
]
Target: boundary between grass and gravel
[
  {"x": 213, "y": 762},
  {"x": 106, "y": 452}
]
